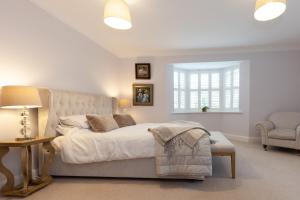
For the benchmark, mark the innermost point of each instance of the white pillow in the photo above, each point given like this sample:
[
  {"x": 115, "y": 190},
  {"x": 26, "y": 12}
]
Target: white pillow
[
  {"x": 78, "y": 121},
  {"x": 65, "y": 130}
]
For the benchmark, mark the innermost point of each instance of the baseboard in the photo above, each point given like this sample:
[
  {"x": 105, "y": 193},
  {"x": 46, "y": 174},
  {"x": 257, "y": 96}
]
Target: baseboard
[{"x": 243, "y": 138}]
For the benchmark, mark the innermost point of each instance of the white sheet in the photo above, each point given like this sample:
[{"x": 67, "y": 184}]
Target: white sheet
[{"x": 84, "y": 146}]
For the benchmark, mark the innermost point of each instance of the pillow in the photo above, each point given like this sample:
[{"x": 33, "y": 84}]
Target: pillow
[
  {"x": 78, "y": 121},
  {"x": 65, "y": 130},
  {"x": 124, "y": 120},
  {"x": 102, "y": 123}
]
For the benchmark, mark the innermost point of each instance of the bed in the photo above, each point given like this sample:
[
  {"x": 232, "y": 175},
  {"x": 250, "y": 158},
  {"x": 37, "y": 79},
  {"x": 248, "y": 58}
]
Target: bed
[{"x": 58, "y": 103}]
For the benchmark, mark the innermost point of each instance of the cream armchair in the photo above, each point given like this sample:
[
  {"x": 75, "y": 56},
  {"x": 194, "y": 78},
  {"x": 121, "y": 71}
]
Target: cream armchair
[{"x": 281, "y": 129}]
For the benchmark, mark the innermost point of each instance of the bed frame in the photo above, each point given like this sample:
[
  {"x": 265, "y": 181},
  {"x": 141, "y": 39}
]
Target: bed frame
[{"x": 57, "y": 103}]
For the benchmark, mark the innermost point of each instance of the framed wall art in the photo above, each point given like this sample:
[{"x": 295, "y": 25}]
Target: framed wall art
[
  {"x": 142, "y": 94},
  {"x": 142, "y": 71}
]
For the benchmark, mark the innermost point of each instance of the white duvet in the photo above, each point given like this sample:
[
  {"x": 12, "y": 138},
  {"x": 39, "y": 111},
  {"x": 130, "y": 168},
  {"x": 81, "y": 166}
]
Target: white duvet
[{"x": 84, "y": 146}]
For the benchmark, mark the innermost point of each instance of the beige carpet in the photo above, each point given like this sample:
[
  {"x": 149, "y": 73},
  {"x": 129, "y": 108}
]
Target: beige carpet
[{"x": 272, "y": 175}]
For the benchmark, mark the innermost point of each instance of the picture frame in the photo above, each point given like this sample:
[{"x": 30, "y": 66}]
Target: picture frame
[
  {"x": 143, "y": 71},
  {"x": 142, "y": 94}
]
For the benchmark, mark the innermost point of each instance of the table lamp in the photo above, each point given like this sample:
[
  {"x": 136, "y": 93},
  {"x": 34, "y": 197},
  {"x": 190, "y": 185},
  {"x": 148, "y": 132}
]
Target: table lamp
[
  {"x": 124, "y": 104},
  {"x": 21, "y": 97}
]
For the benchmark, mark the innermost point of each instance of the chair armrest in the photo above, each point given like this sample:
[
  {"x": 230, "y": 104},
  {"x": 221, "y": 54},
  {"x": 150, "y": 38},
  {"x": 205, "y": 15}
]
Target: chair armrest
[
  {"x": 298, "y": 129},
  {"x": 298, "y": 137},
  {"x": 264, "y": 127},
  {"x": 298, "y": 132}
]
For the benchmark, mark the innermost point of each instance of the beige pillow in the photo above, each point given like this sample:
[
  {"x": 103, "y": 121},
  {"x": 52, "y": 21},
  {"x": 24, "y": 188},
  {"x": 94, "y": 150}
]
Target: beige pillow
[
  {"x": 102, "y": 123},
  {"x": 124, "y": 120}
]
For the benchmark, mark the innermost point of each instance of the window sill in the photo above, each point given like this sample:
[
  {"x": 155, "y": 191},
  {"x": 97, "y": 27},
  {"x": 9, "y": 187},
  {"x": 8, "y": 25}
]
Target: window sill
[{"x": 209, "y": 112}]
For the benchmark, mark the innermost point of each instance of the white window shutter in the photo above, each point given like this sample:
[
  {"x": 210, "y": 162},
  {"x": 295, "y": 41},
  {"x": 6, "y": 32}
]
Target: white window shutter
[
  {"x": 215, "y": 80},
  {"x": 194, "y": 81},
  {"x": 204, "y": 81},
  {"x": 194, "y": 100},
  {"x": 215, "y": 99}
]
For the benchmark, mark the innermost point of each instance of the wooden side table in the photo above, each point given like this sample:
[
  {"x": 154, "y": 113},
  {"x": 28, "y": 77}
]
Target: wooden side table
[{"x": 29, "y": 185}]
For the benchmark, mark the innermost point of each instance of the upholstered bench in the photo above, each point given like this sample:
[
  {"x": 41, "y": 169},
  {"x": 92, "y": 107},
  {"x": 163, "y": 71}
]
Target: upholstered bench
[{"x": 223, "y": 147}]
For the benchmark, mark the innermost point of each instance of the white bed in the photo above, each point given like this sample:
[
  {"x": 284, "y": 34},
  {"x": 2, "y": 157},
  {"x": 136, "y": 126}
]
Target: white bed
[
  {"x": 64, "y": 103},
  {"x": 124, "y": 162}
]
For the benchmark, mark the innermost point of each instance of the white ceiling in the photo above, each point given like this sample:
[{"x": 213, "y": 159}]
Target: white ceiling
[{"x": 172, "y": 27}]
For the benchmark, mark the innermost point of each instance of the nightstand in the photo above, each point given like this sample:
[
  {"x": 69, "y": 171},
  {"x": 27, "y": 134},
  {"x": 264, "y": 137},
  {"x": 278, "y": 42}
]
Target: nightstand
[{"x": 29, "y": 185}]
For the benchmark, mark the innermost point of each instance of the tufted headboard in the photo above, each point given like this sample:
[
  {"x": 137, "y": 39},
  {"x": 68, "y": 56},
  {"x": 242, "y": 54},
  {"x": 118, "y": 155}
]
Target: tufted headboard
[{"x": 57, "y": 103}]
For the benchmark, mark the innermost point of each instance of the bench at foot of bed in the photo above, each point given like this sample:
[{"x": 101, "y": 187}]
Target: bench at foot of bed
[{"x": 223, "y": 147}]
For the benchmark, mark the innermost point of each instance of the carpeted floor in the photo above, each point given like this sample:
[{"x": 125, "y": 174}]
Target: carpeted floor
[{"x": 272, "y": 175}]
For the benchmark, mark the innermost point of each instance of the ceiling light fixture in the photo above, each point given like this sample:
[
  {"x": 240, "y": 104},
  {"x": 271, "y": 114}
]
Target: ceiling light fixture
[
  {"x": 117, "y": 15},
  {"x": 269, "y": 9}
]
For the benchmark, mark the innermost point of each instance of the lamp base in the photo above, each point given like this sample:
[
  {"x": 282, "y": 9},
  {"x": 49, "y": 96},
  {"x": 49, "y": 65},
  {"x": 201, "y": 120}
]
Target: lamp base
[{"x": 24, "y": 139}]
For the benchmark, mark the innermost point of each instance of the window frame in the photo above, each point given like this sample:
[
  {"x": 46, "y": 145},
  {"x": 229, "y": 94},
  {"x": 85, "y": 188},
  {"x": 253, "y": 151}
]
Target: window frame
[{"x": 210, "y": 90}]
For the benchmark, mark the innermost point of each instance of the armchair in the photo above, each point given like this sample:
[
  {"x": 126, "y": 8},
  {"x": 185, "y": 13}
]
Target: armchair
[{"x": 281, "y": 129}]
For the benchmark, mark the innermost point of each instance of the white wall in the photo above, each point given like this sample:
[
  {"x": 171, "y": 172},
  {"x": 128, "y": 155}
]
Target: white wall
[
  {"x": 37, "y": 49},
  {"x": 273, "y": 79}
]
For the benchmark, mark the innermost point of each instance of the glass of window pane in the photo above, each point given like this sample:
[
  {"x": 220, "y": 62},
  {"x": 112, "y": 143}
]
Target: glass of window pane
[
  {"x": 176, "y": 102},
  {"x": 228, "y": 99},
  {"x": 204, "y": 99},
  {"x": 194, "y": 81},
  {"x": 228, "y": 79},
  {"x": 204, "y": 81},
  {"x": 236, "y": 77},
  {"x": 236, "y": 99},
  {"x": 182, "y": 80},
  {"x": 182, "y": 100},
  {"x": 194, "y": 100},
  {"x": 215, "y": 99},
  {"x": 215, "y": 80},
  {"x": 176, "y": 83}
]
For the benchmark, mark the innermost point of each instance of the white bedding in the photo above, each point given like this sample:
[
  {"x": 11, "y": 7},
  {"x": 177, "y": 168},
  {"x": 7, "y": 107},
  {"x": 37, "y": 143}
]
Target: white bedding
[{"x": 84, "y": 146}]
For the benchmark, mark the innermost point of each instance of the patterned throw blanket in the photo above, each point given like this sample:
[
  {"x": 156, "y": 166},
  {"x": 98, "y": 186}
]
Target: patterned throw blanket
[{"x": 182, "y": 150}]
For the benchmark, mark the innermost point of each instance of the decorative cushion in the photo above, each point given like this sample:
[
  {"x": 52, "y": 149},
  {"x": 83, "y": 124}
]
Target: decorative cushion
[
  {"x": 124, "y": 120},
  {"x": 78, "y": 121},
  {"x": 283, "y": 134},
  {"x": 102, "y": 123}
]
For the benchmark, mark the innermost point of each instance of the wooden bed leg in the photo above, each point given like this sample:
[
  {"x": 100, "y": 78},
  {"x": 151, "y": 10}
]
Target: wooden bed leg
[
  {"x": 265, "y": 147},
  {"x": 233, "y": 164}
]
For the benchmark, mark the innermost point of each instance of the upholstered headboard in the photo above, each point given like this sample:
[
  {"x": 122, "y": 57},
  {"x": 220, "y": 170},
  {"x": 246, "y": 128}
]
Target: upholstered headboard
[{"x": 58, "y": 103}]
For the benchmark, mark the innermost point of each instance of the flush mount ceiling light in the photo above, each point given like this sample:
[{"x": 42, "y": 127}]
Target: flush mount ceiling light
[
  {"x": 269, "y": 9},
  {"x": 117, "y": 15}
]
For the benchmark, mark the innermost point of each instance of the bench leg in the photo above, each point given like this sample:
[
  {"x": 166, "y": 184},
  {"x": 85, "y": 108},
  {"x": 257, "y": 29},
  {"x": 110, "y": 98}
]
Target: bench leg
[
  {"x": 233, "y": 164},
  {"x": 265, "y": 147}
]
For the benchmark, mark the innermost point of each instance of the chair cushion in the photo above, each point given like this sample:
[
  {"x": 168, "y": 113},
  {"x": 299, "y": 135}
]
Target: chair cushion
[{"x": 282, "y": 134}]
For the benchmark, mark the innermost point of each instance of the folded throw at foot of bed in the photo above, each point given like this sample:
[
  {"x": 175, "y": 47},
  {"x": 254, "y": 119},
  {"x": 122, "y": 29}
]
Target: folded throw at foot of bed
[{"x": 182, "y": 150}]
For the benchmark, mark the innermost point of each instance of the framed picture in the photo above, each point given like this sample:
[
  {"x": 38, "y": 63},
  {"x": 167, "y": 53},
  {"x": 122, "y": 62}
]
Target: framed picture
[
  {"x": 142, "y": 71},
  {"x": 142, "y": 94}
]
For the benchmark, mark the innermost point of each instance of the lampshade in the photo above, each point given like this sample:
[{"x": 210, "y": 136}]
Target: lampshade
[
  {"x": 117, "y": 15},
  {"x": 124, "y": 103},
  {"x": 269, "y": 9},
  {"x": 18, "y": 97}
]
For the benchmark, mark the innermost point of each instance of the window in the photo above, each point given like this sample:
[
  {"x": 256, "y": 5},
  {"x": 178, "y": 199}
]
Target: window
[
  {"x": 216, "y": 87},
  {"x": 179, "y": 90}
]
